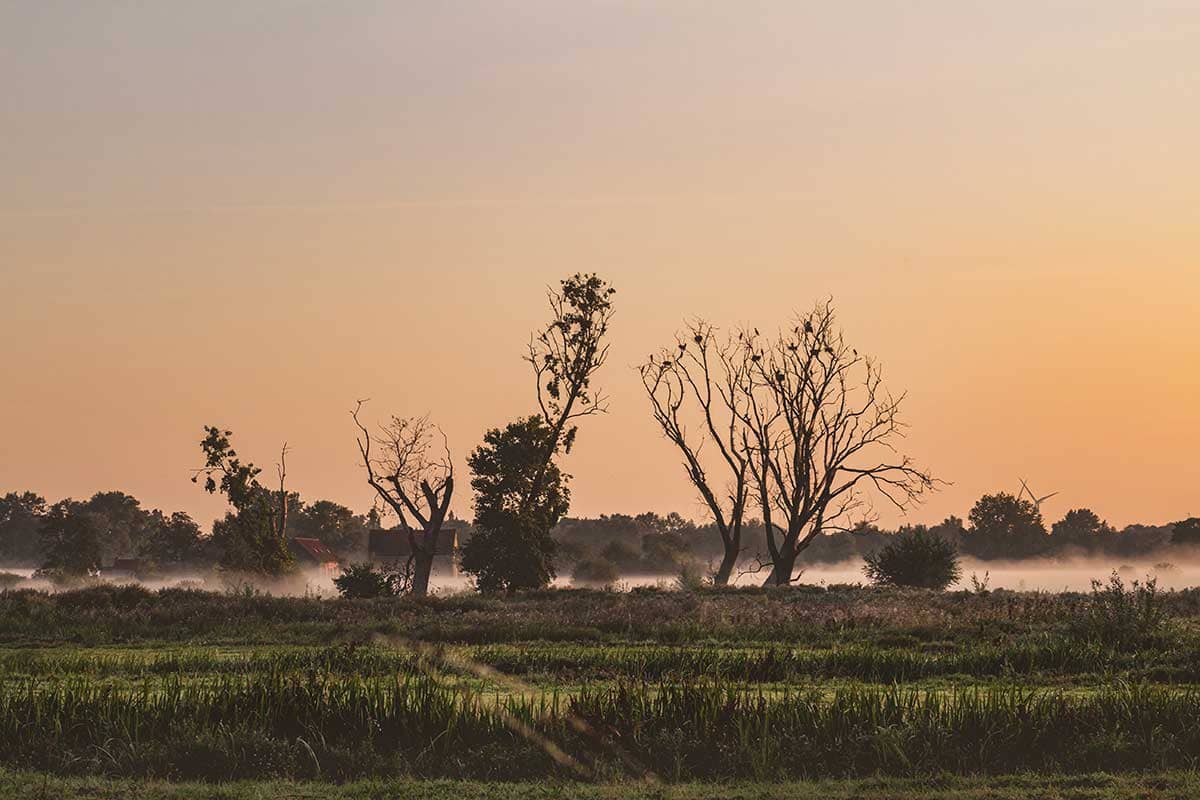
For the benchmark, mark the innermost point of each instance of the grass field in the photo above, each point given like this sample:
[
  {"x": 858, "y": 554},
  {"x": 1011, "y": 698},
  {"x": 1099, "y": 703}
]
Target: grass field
[
  {"x": 582, "y": 693},
  {"x": 1099, "y": 786}
]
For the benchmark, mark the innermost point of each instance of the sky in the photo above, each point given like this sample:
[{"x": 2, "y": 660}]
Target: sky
[{"x": 252, "y": 214}]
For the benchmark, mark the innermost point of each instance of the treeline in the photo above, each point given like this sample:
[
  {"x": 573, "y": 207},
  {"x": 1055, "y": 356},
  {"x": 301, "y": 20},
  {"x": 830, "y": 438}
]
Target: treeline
[
  {"x": 999, "y": 527},
  {"x": 81, "y": 537},
  {"x": 75, "y": 538}
]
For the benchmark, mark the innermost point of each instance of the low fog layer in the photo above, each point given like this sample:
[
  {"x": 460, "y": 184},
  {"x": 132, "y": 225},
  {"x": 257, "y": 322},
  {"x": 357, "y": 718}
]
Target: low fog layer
[{"x": 1045, "y": 575}]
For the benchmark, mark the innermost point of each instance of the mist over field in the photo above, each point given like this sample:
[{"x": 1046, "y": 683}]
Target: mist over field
[{"x": 1030, "y": 575}]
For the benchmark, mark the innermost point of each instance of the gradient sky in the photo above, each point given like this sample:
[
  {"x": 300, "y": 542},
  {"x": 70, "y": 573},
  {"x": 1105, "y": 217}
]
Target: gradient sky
[{"x": 253, "y": 213}]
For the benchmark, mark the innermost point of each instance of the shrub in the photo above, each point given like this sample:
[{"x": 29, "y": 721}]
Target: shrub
[
  {"x": 914, "y": 558},
  {"x": 692, "y": 578},
  {"x": 10, "y": 580},
  {"x": 366, "y": 581},
  {"x": 596, "y": 571},
  {"x": 1120, "y": 617}
]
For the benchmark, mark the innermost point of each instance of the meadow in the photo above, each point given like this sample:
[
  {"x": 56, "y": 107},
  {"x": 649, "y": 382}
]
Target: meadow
[{"x": 1081, "y": 694}]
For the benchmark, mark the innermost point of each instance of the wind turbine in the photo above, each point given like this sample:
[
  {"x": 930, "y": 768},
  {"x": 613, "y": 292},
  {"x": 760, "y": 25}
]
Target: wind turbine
[{"x": 1037, "y": 501}]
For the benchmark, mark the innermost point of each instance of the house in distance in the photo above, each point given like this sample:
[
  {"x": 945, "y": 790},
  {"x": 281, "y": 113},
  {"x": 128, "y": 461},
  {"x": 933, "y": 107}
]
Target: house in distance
[
  {"x": 314, "y": 554},
  {"x": 392, "y": 548}
]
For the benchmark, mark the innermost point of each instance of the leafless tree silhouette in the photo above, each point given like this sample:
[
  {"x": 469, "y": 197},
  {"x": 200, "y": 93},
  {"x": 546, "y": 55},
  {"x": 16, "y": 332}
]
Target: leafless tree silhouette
[
  {"x": 820, "y": 428},
  {"x": 701, "y": 380},
  {"x": 412, "y": 482}
]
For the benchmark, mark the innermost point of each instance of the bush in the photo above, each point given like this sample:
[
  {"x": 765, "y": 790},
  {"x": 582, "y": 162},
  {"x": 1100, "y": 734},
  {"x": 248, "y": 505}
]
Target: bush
[
  {"x": 692, "y": 578},
  {"x": 1119, "y": 617},
  {"x": 596, "y": 571},
  {"x": 10, "y": 580},
  {"x": 359, "y": 581},
  {"x": 914, "y": 558}
]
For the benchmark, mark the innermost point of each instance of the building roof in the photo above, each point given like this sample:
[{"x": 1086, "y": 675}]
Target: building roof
[
  {"x": 394, "y": 543},
  {"x": 313, "y": 550}
]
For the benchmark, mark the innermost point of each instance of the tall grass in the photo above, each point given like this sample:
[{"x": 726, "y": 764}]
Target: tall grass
[
  {"x": 307, "y": 725},
  {"x": 1048, "y": 657},
  {"x": 810, "y": 615}
]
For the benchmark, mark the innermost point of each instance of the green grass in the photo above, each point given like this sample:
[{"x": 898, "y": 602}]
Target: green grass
[
  {"x": 1100, "y": 786},
  {"x": 750, "y": 686},
  {"x": 320, "y": 725}
]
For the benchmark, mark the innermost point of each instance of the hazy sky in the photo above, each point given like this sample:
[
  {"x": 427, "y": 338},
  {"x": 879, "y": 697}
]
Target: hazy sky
[{"x": 253, "y": 213}]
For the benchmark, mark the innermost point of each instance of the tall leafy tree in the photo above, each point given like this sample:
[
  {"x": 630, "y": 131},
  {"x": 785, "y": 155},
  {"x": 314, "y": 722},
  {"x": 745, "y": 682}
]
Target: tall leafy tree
[
  {"x": 253, "y": 537},
  {"x": 520, "y": 491},
  {"x": 518, "y": 500}
]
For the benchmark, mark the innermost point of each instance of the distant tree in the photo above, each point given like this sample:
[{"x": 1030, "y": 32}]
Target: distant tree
[
  {"x": 596, "y": 571},
  {"x": 1080, "y": 527},
  {"x": 124, "y": 524},
  {"x": 332, "y": 523},
  {"x": 1186, "y": 532},
  {"x": 914, "y": 557},
  {"x": 822, "y": 430},
  {"x": 570, "y": 551},
  {"x": 1005, "y": 526},
  {"x": 20, "y": 517},
  {"x": 620, "y": 553},
  {"x": 671, "y": 523},
  {"x": 71, "y": 540},
  {"x": 700, "y": 380},
  {"x": 174, "y": 542},
  {"x": 665, "y": 551},
  {"x": 254, "y": 538},
  {"x": 951, "y": 529},
  {"x": 511, "y": 547},
  {"x": 412, "y": 482},
  {"x": 520, "y": 492}
]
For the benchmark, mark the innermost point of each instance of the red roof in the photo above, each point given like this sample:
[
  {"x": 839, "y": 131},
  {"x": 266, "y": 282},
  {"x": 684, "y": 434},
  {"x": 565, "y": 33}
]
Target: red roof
[{"x": 312, "y": 549}]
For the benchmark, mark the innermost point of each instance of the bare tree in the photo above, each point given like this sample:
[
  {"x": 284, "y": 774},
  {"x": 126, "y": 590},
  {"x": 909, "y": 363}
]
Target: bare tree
[
  {"x": 701, "y": 379},
  {"x": 416, "y": 485},
  {"x": 565, "y": 356},
  {"x": 821, "y": 429}
]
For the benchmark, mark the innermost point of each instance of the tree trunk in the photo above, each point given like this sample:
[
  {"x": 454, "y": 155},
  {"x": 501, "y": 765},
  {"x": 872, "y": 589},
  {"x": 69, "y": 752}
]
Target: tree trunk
[
  {"x": 423, "y": 556},
  {"x": 726, "y": 568},
  {"x": 783, "y": 567}
]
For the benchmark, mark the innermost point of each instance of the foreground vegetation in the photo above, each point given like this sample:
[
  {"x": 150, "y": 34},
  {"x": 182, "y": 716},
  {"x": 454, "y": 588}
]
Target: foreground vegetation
[
  {"x": 1101, "y": 786},
  {"x": 746, "y": 685}
]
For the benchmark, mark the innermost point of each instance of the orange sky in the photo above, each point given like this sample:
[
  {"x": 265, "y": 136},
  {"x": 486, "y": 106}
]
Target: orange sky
[{"x": 253, "y": 214}]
